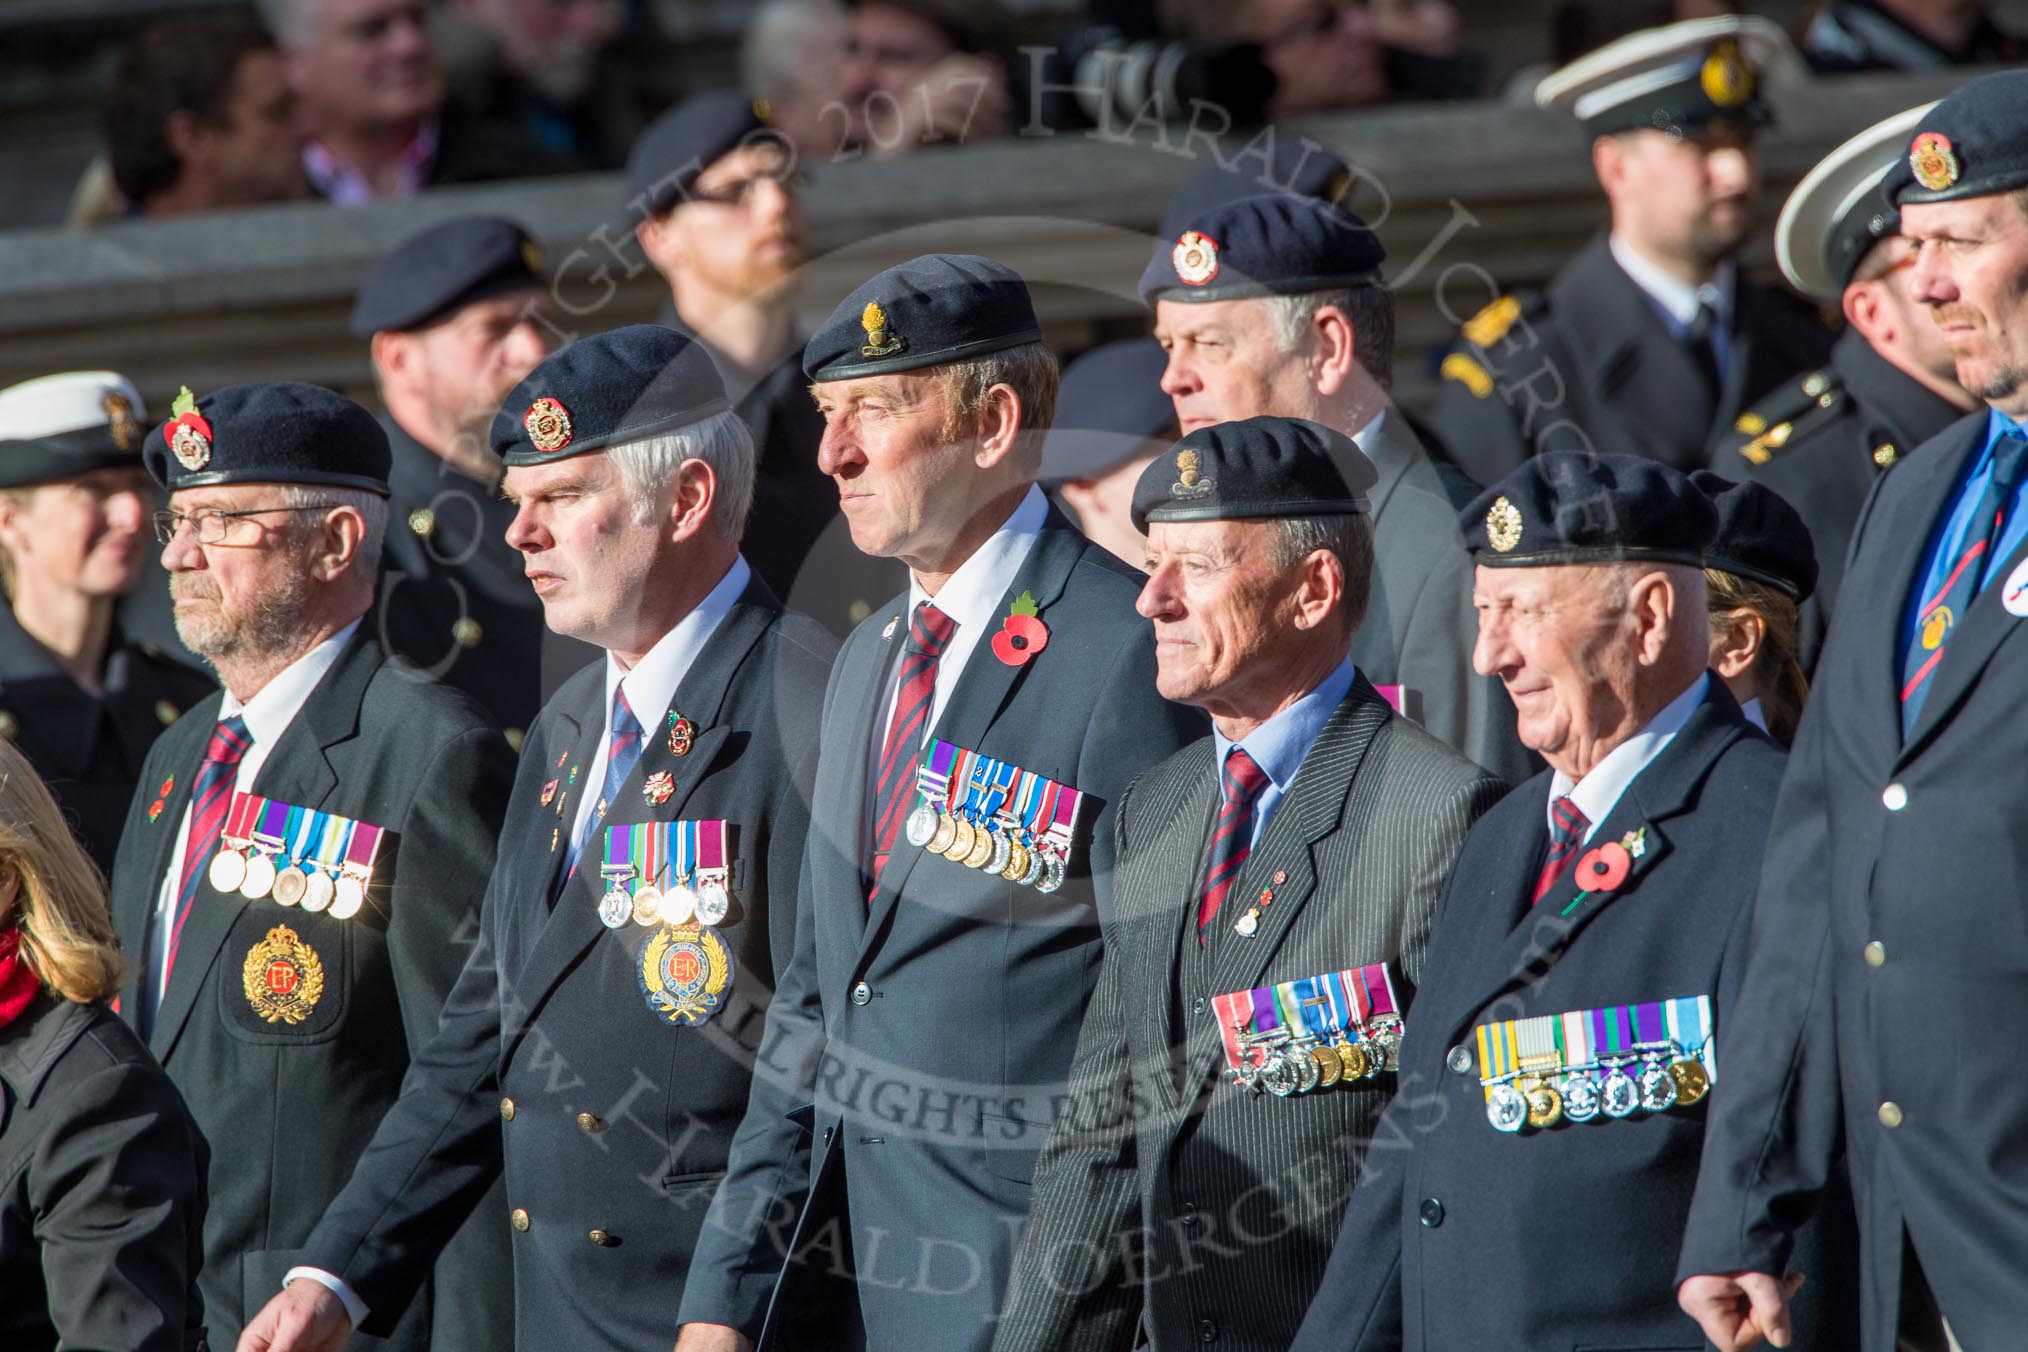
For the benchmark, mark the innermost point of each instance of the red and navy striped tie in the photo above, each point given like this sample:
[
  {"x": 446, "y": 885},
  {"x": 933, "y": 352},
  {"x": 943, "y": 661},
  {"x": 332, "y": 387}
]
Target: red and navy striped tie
[
  {"x": 929, "y": 633},
  {"x": 1565, "y": 834},
  {"x": 1232, "y": 837},
  {"x": 210, "y": 799}
]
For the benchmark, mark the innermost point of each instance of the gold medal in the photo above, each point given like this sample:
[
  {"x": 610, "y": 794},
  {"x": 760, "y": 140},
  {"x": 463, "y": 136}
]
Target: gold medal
[
  {"x": 946, "y": 831},
  {"x": 1017, "y": 863},
  {"x": 1330, "y": 1069},
  {"x": 961, "y": 842},
  {"x": 1352, "y": 1060},
  {"x": 647, "y": 907},
  {"x": 1545, "y": 1106},
  {"x": 981, "y": 851},
  {"x": 1692, "y": 1083}
]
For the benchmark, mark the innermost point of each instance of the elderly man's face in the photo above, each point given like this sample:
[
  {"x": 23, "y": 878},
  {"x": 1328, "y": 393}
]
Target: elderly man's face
[
  {"x": 584, "y": 552},
  {"x": 1558, "y": 639},
  {"x": 1222, "y": 611},
  {"x": 1971, "y": 270},
  {"x": 240, "y": 599},
  {"x": 896, "y": 462},
  {"x": 1226, "y": 363},
  {"x": 368, "y": 62}
]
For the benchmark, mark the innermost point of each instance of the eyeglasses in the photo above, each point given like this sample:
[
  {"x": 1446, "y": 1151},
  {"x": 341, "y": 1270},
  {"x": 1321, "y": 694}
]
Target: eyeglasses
[
  {"x": 216, "y": 526},
  {"x": 740, "y": 193}
]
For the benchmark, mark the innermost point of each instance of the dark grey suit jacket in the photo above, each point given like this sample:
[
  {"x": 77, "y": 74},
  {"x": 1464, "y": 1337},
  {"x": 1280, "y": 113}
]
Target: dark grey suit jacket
[
  {"x": 1231, "y": 1199},
  {"x": 923, "y": 1036},
  {"x": 101, "y": 1189},
  {"x": 287, "y": 1108}
]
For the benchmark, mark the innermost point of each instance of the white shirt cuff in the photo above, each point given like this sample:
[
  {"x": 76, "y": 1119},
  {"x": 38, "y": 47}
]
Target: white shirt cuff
[{"x": 347, "y": 1297}]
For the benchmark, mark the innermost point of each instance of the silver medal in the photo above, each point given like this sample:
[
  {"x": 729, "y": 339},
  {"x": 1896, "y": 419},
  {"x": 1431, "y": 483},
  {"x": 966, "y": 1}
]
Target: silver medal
[
  {"x": 1003, "y": 851},
  {"x": 679, "y": 904},
  {"x": 1052, "y": 873},
  {"x": 922, "y": 824},
  {"x": 1580, "y": 1098},
  {"x": 1658, "y": 1087},
  {"x": 320, "y": 893},
  {"x": 290, "y": 884},
  {"x": 1622, "y": 1097},
  {"x": 714, "y": 901},
  {"x": 1507, "y": 1109},
  {"x": 1280, "y": 1076},
  {"x": 348, "y": 897},
  {"x": 615, "y": 907}
]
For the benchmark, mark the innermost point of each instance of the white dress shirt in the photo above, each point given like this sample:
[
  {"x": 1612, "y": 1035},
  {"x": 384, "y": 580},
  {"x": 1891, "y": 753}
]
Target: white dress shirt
[
  {"x": 1598, "y": 793},
  {"x": 1675, "y": 298}
]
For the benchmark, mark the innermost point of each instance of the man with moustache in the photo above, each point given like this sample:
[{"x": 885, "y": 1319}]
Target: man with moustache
[
  {"x": 1649, "y": 341},
  {"x": 1823, "y": 439},
  {"x": 1275, "y": 305},
  {"x": 715, "y": 198},
  {"x": 977, "y": 731},
  {"x": 299, "y": 877},
  {"x": 82, "y": 700},
  {"x": 1887, "y": 929},
  {"x": 1294, "y": 856},
  {"x": 568, "y": 1060}
]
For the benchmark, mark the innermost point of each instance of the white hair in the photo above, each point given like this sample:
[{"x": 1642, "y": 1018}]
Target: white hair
[
  {"x": 774, "y": 55},
  {"x": 1370, "y": 310},
  {"x": 721, "y": 441},
  {"x": 372, "y": 508}
]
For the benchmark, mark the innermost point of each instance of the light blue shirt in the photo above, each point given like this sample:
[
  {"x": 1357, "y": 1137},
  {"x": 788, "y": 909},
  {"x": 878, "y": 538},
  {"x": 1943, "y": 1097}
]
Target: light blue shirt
[
  {"x": 1949, "y": 541},
  {"x": 1279, "y": 745}
]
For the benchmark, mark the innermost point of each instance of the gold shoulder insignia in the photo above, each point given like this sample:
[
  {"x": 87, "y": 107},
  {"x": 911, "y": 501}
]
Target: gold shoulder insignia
[
  {"x": 1762, "y": 448},
  {"x": 1490, "y": 325},
  {"x": 1457, "y": 366},
  {"x": 1751, "y": 423}
]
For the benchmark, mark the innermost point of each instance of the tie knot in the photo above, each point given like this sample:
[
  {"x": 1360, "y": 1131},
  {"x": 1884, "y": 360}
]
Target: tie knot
[
  {"x": 2008, "y": 454},
  {"x": 229, "y": 741},
  {"x": 929, "y": 630},
  {"x": 1244, "y": 779},
  {"x": 1571, "y": 823},
  {"x": 624, "y": 722}
]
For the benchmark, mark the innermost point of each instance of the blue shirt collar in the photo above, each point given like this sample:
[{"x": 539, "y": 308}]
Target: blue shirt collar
[
  {"x": 1279, "y": 745},
  {"x": 2000, "y": 425}
]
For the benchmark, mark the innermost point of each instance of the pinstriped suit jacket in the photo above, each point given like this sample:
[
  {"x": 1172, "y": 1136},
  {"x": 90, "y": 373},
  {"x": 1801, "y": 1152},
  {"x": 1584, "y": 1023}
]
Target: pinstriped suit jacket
[{"x": 1168, "y": 1200}]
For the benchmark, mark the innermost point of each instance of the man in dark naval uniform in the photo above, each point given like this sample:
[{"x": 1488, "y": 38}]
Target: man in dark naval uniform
[
  {"x": 299, "y": 878},
  {"x": 456, "y": 315},
  {"x": 713, "y": 194},
  {"x": 82, "y": 700},
  {"x": 1650, "y": 339},
  {"x": 1824, "y": 437}
]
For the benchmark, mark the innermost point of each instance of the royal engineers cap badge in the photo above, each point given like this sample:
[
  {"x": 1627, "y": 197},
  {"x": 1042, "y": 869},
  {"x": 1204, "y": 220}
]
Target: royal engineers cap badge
[
  {"x": 1933, "y": 161},
  {"x": 548, "y": 425},
  {"x": 283, "y": 977},
  {"x": 1195, "y": 258},
  {"x": 880, "y": 340},
  {"x": 1503, "y": 525}
]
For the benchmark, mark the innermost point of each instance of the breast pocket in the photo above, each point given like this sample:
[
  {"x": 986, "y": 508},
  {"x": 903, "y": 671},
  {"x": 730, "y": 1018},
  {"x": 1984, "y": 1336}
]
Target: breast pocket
[{"x": 284, "y": 975}]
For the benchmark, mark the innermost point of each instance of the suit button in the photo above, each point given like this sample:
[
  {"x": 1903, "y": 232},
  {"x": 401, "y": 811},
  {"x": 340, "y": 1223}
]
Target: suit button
[
  {"x": 862, "y": 993},
  {"x": 600, "y": 1238},
  {"x": 1207, "y": 1332},
  {"x": 1460, "y": 1060},
  {"x": 519, "y": 1217},
  {"x": 589, "y": 1122},
  {"x": 1197, "y": 1005},
  {"x": 1890, "y": 1114},
  {"x": 506, "y": 1110},
  {"x": 1188, "y": 1211},
  {"x": 1876, "y": 954},
  {"x": 1432, "y": 1212},
  {"x": 1895, "y": 797}
]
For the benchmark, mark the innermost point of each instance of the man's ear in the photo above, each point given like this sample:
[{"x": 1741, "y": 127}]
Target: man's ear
[
  {"x": 1337, "y": 349},
  {"x": 659, "y": 245},
  {"x": 1652, "y": 601},
  {"x": 342, "y": 536},
  {"x": 999, "y": 425},
  {"x": 692, "y": 505},
  {"x": 1320, "y": 591},
  {"x": 184, "y": 133}
]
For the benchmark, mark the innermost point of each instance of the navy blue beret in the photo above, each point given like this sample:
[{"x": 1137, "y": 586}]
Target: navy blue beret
[
  {"x": 1110, "y": 404},
  {"x": 674, "y": 149},
  {"x": 925, "y": 312},
  {"x": 1760, "y": 536},
  {"x": 1291, "y": 164},
  {"x": 1973, "y": 144},
  {"x": 1271, "y": 244},
  {"x": 1575, "y": 507},
  {"x": 63, "y": 426},
  {"x": 274, "y": 432},
  {"x": 635, "y": 382},
  {"x": 1252, "y": 469},
  {"x": 445, "y": 267}
]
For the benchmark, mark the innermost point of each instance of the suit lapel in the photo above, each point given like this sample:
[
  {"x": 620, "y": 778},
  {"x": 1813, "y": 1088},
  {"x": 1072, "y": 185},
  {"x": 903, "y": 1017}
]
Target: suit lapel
[
  {"x": 1646, "y": 370},
  {"x": 297, "y": 771},
  {"x": 134, "y": 908},
  {"x": 862, "y": 683}
]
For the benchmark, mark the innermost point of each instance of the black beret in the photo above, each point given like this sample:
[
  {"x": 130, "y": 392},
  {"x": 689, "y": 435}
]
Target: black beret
[
  {"x": 1270, "y": 244},
  {"x": 1759, "y": 535},
  {"x": 674, "y": 149},
  {"x": 1290, "y": 164},
  {"x": 1973, "y": 144},
  {"x": 925, "y": 312},
  {"x": 445, "y": 267},
  {"x": 635, "y": 382},
  {"x": 1110, "y": 404},
  {"x": 62, "y": 426},
  {"x": 1252, "y": 469},
  {"x": 1576, "y": 507},
  {"x": 1697, "y": 75},
  {"x": 274, "y": 432}
]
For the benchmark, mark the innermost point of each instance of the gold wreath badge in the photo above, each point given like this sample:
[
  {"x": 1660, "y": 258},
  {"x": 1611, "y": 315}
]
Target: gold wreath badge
[{"x": 283, "y": 977}]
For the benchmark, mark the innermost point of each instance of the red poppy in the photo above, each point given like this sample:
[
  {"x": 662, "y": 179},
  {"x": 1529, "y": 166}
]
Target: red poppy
[
  {"x": 1020, "y": 638},
  {"x": 1603, "y": 869}
]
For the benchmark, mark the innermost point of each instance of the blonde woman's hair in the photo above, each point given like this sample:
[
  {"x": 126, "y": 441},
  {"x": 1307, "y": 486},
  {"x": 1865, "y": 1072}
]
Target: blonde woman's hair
[
  {"x": 52, "y": 890},
  {"x": 1777, "y": 672}
]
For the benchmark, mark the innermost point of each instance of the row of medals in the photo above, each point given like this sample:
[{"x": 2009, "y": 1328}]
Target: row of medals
[
  {"x": 1666, "y": 1080},
  {"x": 1299, "y": 1065},
  {"x": 709, "y": 902},
  {"x": 989, "y": 847},
  {"x": 254, "y": 876}
]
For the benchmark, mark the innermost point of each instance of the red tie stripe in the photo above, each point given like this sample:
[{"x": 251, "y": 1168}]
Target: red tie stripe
[
  {"x": 1565, "y": 835},
  {"x": 929, "y": 633},
  {"x": 210, "y": 798},
  {"x": 1232, "y": 838}
]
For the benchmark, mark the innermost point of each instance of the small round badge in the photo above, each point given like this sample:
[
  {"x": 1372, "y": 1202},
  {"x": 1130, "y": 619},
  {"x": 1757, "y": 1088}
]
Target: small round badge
[
  {"x": 548, "y": 425},
  {"x": 1195, "y": 258},
  {"x": 1507, "y": 1108}
]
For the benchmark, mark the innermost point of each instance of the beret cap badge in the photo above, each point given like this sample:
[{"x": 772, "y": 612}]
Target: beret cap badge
[
  {"x": 1726, "y": 78},
  {"x": 1195, "y": 258},
  {"x": 548, "y": 425},
  {"x": 1503, "y": 525},
  {"x": 125, "y": 427},
  {"x": 1189, "y": 483},
  {"x": 1933, "y": 161},
  {"x": 880, "y": 341},
  {"x": 188, "y": 434}
]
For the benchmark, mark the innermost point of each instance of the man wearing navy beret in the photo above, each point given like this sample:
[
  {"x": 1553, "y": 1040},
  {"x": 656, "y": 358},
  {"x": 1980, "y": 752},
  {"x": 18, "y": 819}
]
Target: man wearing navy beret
[
  {"x": 715, "y": 196},
  {"x": 456, "y": 316},
  {"x": 1888, "y": 933},
  {"x": 597, "y": 1048},
  {"x": 1305, "y": 840},
  {"x": 300, "y": 873},
  {"x": 1275, "y": 305},
  {"x": 978, "y": 730}
]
